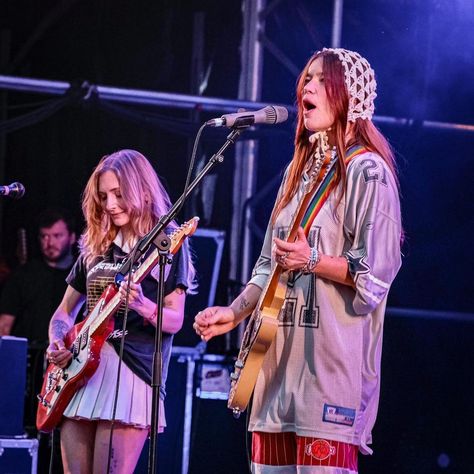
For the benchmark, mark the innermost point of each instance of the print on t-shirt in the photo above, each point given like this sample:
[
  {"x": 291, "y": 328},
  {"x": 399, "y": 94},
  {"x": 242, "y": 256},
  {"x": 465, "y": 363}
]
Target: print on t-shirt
[{"x": 305, "y": 290}]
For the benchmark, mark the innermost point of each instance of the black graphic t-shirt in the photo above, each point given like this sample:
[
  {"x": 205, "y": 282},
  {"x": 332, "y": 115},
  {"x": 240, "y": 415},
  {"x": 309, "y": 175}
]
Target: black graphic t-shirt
[{"x": 139, "y": 333}]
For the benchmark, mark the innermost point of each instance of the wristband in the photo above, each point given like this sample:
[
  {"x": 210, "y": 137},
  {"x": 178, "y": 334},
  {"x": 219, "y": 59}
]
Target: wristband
[{"x": 313, "y": 260}]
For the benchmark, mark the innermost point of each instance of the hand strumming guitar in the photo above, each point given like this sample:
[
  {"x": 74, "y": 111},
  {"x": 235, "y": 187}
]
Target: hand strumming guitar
[
  {"x": 58, "y": 355},
  {"x": 214, "y": 321},
  {"x": 218, "y": 320}
]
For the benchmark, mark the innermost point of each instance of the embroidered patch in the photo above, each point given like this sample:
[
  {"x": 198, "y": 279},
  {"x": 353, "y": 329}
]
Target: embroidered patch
[
  {"x": 320, "y": 449},
  {"x": 357, "y": 263},
  {"x": 338, "y": 415}
]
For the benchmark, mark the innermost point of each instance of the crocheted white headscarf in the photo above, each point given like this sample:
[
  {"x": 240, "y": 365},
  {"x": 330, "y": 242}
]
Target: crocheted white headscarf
[{"x": 360, "y": 83}]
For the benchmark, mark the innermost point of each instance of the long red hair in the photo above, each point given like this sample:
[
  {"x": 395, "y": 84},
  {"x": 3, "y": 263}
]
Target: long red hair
[{"x": 363, "y": 132}]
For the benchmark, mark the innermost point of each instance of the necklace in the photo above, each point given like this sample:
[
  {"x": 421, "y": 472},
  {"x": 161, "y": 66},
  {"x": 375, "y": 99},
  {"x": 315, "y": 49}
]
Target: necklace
[{"x": 320, "y": 157}]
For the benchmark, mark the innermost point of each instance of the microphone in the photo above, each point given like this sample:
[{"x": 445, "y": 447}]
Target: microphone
[
  {"x": 270, "y": 115},
  {"x": 14, "y": 190}
]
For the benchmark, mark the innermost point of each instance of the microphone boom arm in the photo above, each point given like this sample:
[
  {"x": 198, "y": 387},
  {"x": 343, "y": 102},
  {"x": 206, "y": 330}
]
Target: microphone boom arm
[{"x": 144, "y": 243}]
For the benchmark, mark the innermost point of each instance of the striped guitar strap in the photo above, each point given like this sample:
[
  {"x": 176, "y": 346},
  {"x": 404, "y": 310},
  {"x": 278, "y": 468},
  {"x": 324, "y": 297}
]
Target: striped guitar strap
[{"x": 325, "y": 188}]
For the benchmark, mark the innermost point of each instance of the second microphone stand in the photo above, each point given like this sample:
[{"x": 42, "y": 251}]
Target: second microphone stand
[{"x": 158, "y": 237}]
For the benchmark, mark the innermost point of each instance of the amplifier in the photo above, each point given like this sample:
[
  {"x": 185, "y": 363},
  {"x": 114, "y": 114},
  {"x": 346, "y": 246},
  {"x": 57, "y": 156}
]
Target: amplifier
[
  {"x": 18, "y": 456},
  {"x": 13, "y": 352}
]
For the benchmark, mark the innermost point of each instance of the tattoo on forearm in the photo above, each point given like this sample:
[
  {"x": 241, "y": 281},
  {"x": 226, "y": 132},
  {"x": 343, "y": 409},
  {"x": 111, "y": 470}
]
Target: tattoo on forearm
[
  {"x": 59, "y": 329},
  {"x": 243, "y": 304}
]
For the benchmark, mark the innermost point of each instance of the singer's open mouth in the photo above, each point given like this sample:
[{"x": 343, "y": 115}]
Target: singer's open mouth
[{"x": 307, "y": 106}]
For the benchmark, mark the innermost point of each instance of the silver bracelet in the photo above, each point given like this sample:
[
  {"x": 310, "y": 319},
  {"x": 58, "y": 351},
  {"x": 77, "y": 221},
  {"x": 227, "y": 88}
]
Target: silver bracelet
[{"x": 313, "y": 260}]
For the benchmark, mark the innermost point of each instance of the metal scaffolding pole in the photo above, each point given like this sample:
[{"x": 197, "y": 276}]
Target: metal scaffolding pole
[
  {"x": 337, "y": 24},
  {"x": 185, "y": 101},
  {"x": 246, "y": 151},
  {"x": 131, "y": 96}
]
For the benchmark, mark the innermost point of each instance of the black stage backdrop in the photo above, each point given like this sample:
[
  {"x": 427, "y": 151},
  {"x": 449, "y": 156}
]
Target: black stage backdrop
[{"x": 424, "y": 72}]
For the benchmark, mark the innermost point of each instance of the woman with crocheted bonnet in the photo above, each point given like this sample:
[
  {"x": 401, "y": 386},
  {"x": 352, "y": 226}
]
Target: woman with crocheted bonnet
[{"x": 316, "y": 396}]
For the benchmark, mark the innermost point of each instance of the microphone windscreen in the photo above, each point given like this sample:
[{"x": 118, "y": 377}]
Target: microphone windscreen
[{"x": 275, "y": 114}]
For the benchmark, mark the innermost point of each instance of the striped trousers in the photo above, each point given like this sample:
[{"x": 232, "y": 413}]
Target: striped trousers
[{"x": 287, "y": 453}]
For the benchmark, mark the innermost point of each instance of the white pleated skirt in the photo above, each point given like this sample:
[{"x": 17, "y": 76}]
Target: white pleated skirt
[{"x": 95, "y": 400}]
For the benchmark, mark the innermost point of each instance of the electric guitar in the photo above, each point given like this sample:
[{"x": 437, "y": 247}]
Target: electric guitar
[
  {"x": 263, "y": 322},
  {"x": 86, "y": 339}
]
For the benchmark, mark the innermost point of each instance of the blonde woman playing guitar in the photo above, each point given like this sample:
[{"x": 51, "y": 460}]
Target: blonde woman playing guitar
[{"x": 123, "y": 200}]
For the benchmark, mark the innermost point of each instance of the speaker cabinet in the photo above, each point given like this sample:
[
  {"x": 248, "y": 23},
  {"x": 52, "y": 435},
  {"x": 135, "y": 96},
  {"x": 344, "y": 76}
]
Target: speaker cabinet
[
  {"x": 219, "y": 441},
  {"x": 18, "y": 456},
  {"x": 12, "y": 386}
]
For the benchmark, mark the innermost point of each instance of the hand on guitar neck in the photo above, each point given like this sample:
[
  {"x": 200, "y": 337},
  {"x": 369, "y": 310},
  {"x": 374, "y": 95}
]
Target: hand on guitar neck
[
  {"x": 292, "y": 255},
  {"x": 137, "y": 300},
  {"x": 218, "y": 320}
]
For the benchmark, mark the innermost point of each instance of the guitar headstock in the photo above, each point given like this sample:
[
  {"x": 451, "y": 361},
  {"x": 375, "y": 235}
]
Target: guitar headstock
[{"x": 184, "y": 230}]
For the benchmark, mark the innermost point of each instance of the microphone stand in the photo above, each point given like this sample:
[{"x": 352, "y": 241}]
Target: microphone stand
[{"x": 158, "y": 237}]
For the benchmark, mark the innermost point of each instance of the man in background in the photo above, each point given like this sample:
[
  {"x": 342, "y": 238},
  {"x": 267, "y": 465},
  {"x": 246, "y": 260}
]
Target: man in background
[
  {"x": 29, "y": 298},
  {"x": 34, "y": 290}
]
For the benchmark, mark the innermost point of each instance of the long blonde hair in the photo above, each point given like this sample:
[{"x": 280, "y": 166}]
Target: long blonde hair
[
  {"x": 144, "y": 196},
  {"x": 364, "y": 132}
]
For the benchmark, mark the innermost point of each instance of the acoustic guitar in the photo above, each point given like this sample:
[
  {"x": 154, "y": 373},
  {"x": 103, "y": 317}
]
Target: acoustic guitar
[{"x": 263, "y": 322}]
